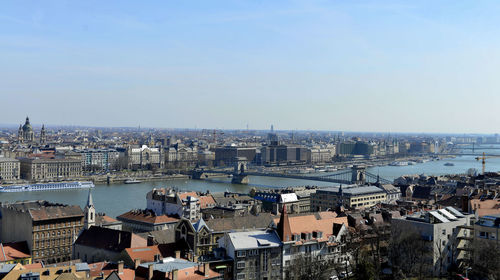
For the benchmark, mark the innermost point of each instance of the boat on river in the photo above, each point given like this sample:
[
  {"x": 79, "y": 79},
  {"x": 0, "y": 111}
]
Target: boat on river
[
  {"x": 47, "y": 187},
  {"x": 132, "y": 181}
]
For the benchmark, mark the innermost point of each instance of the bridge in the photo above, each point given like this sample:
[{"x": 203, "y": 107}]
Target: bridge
[{"x": 356, "y": 175}]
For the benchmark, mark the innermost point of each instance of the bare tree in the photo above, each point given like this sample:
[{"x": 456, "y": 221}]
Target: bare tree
[
  {"x": 485, "y": 261},
  {"x": 307, "y": 266},
  {"x": 409, "y": 254}
]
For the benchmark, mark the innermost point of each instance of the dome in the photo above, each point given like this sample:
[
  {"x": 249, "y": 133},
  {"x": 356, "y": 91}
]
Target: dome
[{"x": 27, "y": 126}]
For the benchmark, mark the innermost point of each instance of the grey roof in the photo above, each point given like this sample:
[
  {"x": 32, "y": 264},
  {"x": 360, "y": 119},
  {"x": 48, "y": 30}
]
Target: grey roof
[
  {"x": 4, "y": 159},
  {"x": 351, "y": 190},
  {"x": 82, "y": 267},
  {"x": 254, "y": 239},
  {"x": 169, "y": 264},
  {"x": 6, "y": 268},
  {"x": 247, "y": 222},
  {"x": 391, "y": 189},
  {"x": 160, "y": 236}
]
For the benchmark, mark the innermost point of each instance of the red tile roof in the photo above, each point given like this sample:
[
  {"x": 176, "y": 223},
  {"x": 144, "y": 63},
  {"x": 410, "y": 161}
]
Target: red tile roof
[
  {"x": 145, "y": 254},
  {"x": 13, "y": 251},
  {"x": 147, "y": 217}
]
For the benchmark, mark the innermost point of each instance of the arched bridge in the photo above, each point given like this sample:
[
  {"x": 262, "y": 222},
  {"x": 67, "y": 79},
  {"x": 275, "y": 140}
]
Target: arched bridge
[{"x": 355, "y": 175}]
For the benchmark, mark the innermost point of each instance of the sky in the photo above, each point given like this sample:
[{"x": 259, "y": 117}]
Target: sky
[{"x": 388, "y": 66}]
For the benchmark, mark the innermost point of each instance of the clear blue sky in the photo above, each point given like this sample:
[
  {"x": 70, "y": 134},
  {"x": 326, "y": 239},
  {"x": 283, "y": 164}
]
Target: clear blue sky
[{"x": 420, "y": 66}]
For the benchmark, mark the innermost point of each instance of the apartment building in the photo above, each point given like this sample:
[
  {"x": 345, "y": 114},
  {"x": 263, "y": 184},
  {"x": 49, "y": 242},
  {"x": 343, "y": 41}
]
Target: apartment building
[
  {"x": 256, "y": 254},
  {"x": 49, "y": 228},
  {"x": 447, "y": 232}
]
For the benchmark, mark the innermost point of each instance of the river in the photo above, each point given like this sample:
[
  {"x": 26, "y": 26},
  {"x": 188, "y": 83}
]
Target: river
[{"x": 116, "y": 199}]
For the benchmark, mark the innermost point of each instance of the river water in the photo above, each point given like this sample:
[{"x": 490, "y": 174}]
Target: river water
[{"x": 116, "y": 199}]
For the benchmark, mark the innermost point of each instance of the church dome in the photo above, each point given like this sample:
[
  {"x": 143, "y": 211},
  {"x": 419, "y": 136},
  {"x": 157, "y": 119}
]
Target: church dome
[{"x": 27, "y": 126}]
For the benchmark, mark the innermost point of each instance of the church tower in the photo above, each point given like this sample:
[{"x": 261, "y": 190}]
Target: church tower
[
  {"x": 43, "y": 137},
  {"x": 20, "y": 136},
  {"x": 89, "y": 212}
]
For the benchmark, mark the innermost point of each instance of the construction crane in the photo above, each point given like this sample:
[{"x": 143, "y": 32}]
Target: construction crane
[{"x": 483, "y": 160}]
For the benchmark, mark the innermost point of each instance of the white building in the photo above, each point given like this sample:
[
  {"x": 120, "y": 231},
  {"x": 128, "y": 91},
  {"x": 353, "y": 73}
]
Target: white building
[
  {"x": 145, "y": 157},
  {"x": 256, "y": 254},
  {"x": 184, "y": 204},
  {"x": 446, "y": 230},
  {"x": 9, "y": 169}
]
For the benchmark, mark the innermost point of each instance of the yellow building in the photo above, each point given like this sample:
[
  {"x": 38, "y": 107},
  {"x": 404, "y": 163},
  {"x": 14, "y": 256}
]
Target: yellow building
[{"x": 15, "y": 252}]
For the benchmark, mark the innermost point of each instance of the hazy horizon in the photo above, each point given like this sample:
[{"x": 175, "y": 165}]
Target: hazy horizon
[{"x": 392, "y": 66}]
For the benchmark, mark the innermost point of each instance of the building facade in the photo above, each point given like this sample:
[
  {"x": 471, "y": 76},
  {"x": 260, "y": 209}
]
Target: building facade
[
  {"x": 10, "y": 169},
  {"x": 256, "y": 254},
  {"x": 226, "y": 156},
  {"x": 447, "y": 232},
  {"x": 49, "y": 229},
  {"x": 279, "y": 154},
  {"x": 99, "y": 159},
  {"x": 145, "y": 157},
  {"x": 184, "y": 204},
  {"x": 37, "y": 169},
  {"x": 352, "y": 196}
]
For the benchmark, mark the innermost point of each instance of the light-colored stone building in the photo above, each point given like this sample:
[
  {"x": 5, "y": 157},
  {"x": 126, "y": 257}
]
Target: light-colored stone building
[
  {"x": 39, "y": 169},
  {"x": 352, "y": 196},
  {"x": 9, "y": 169},
  {"x": 184, "y": 204},
  {"x": 145, "y": 157}
]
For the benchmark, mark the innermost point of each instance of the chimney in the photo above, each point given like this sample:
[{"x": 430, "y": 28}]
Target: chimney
[
  {"x": 137, "y": 262},
  {"x": 175, "y": 273},
  {"x": 177, "y": 254},
  {"x": 206, "y": 269},
  {"x": 120, "y": 267},
  {"x": 151, "y": 240},
  {"x": 150, "y": 271}
]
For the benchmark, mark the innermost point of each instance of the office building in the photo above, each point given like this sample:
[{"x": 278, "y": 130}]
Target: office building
[{"x": 352, "y": 196}]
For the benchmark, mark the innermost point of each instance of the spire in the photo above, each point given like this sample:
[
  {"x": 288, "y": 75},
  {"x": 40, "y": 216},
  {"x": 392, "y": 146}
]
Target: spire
[
  {"x": 90, "y": 201},
  {"x": 284, "y": 230},
  {"x": 27, "y": 120}
]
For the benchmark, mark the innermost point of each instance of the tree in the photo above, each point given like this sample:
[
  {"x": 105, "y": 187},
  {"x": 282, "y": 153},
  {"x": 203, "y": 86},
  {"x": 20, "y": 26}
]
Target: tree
[
  {"x": 308, "y": 267},
  {"x": 366, "y": 269},
  {"x": 485, "y": 261},
  {"x": 409, "y": 254}
]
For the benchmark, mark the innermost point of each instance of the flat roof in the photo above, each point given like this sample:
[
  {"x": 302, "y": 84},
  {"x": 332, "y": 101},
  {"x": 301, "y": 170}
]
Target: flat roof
[
  {"x": 254, "y": 239},
  {"x": 352, "y": 190}
]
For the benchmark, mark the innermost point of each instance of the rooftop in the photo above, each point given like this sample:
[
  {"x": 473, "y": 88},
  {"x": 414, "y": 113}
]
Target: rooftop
[
  {"x": 352, "y": 190},
  {"x": 254, "y": 239}
]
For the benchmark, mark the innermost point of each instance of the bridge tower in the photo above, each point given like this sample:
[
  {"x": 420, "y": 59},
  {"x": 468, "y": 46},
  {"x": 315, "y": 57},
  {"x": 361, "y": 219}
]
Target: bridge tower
[
  {"x": 358, "y": 174},
  {"x": 240, "y": 170}
]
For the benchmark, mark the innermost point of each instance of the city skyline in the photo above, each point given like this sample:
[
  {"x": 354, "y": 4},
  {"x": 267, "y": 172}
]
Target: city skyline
[{"x": 395, "y": 67}]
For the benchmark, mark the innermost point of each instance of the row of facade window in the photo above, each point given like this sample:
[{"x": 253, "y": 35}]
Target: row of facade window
[
  {"x": 57, "y": 225},
  {"x": 51, "y": 252},
  {"x": 54, "y": 242}
]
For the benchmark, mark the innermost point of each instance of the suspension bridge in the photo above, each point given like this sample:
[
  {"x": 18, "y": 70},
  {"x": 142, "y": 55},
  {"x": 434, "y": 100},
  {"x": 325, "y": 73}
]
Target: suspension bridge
[{"x": 240, "y": 175}]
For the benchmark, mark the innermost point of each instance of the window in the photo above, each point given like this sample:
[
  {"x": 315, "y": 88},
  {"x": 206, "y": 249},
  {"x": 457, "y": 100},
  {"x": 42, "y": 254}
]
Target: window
[
  {"x": 240, "y": 276},
  {"x": 241, "y": 254},
  {"x": 240, "y": 265}
]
